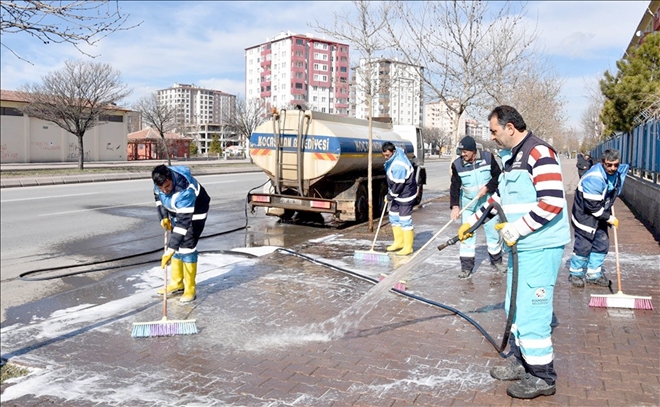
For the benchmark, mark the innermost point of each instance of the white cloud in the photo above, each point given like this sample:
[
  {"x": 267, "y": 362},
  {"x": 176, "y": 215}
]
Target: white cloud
[{"x": 204, "y": 42}]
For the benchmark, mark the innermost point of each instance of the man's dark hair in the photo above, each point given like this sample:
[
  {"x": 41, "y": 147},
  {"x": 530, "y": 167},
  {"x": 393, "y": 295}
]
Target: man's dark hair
[
  {"x": 160, "y": 174},
  {"x": 610, "y": 155},
  {"x": 388, "y": 146},
  {"x": 507, "y": 114}
]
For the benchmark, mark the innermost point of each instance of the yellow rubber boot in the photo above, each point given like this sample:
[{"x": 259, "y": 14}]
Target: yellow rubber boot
[
  {"x": 176, "y": 282},
  {"x": 408, "y": 238},
  {"x": 189, "y": 275},
  {"x": 398, "y": 239}
]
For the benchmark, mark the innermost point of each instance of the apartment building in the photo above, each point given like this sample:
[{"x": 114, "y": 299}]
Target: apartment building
[
  {"x": 202, "y": 113},
  {"x": 476, "y": 130},
  {"x": 396, "y": 88},
  {"x": 292, "y": 69}
]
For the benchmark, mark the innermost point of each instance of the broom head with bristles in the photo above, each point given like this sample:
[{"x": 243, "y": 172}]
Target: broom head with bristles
[
  {"x": 164, "y": 327},
  {"x": 371, "y": 256},
  {"x": 620, "y": 300}
]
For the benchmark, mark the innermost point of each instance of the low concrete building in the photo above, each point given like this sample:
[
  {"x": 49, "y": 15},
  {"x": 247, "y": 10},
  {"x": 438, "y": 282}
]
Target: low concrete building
[{"x": 25, "y": 139}]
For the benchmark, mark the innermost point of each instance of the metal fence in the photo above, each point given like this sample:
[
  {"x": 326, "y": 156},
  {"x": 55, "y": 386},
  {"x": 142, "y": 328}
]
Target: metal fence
[{"x": 640, "y": 149}]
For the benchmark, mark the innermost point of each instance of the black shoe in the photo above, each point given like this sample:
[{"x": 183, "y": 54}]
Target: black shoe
[
  {"x": 600, "y": 281},
  {"x": 500, "y": 267},
  {"x": 530, "y": 387},
  {"x": 513, "y": 370},
  {"x": 465, "y": 273},
  {"x": 576, "y": 281}
]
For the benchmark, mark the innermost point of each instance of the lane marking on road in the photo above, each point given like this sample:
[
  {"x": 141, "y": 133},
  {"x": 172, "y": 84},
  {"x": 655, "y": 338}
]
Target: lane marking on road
[
  {"x": 47, "y": 197},
  {"x": 96, "y": 209}
]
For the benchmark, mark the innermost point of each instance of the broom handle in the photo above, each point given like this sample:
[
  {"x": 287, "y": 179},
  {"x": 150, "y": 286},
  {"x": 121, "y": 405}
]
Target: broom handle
[
  {"x": 616, "y": 252},
  {"x": 441, "y": 230},
  {"x": 165, "y": 238},
  {"x": 373, "y": 244}
]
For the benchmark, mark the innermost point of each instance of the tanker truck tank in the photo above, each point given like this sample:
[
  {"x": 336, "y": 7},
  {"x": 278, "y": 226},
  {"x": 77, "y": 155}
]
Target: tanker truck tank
[{"x": 318, "y": 162}]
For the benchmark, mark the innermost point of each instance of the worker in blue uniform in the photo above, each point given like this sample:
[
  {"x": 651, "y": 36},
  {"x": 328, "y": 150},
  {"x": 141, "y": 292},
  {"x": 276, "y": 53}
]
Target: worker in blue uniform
[
  {"x": 401, "y": 192},
  {"x": 183, "y": 205},
  {"x": 591, "y": 217},
  {"x": 474, "y": 175},
  {"x": 531, "y": 194}
]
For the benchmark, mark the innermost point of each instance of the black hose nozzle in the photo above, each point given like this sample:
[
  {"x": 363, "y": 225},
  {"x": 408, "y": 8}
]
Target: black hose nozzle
[{"x": 449, "y": 242}]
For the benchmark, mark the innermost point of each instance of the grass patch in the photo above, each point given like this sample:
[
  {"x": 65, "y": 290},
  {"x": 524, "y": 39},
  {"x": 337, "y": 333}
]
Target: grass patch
[{"x": 9, "y": 371}]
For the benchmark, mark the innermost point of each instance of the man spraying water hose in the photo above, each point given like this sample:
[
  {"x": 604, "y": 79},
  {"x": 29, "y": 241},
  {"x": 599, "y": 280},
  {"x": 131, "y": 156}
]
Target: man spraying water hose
[
  {"x": 183, "y": 205},
  {"x": 531, "y": 193}
]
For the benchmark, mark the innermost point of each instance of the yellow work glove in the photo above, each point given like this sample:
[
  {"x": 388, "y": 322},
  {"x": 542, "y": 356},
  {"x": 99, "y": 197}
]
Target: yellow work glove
[
  {"x": 166, "y": 224},
  {"x": 166, "y": 258},
  {"x": 613, "y": 221},
  {"x": 462, "y": 232},
  {"x": 509, "y": 233}
]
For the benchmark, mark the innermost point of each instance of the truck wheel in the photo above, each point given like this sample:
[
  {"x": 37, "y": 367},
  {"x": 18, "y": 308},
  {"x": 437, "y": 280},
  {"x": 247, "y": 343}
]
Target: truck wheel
[{"x": 361, "y": 204}]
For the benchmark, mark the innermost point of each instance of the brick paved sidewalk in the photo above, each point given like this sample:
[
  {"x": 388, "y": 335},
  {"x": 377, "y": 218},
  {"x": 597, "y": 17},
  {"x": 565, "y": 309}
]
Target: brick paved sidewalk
[{"x": 261, "y": 344}]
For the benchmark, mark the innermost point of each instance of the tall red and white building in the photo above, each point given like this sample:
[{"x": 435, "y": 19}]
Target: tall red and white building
[{"x": 293, "y": 69}]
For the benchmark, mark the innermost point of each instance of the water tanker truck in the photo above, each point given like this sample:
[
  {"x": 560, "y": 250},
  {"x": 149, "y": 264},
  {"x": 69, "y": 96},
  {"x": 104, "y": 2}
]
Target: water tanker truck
[{"x": 318, "y": 163}]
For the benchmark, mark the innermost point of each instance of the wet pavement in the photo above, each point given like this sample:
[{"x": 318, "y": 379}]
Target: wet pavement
[{"x": 281, "y": 330}]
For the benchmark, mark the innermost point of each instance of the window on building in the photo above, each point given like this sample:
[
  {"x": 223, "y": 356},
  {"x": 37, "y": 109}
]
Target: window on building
[
  {"x": 323, "y": 99},
  {"x": 299, "y": 86},
  {"x": 324, "y": 78},
  {"x": 323, "y": 110},
  {"x": 10, "y": 111},
  {"x": 299, "y": 41},
  {"x": 316, "y": 67},
  {"x": 314, "y": 98}
]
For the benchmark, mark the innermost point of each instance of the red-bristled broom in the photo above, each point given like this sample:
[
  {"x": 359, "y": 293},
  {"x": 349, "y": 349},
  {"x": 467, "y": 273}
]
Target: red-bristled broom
[{"x": 619, "y": 300}]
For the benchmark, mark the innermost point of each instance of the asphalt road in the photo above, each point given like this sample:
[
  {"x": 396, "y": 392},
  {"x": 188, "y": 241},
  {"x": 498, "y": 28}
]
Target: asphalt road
[{"x": 61, "y": 225}]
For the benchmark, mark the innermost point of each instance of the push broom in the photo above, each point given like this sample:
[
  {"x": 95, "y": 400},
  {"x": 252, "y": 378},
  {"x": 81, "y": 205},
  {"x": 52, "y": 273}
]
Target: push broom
[
  {"x": 371, "y": 254},
  {"x": 619, "y": 300},
  {"x": 164, "y": 327}
]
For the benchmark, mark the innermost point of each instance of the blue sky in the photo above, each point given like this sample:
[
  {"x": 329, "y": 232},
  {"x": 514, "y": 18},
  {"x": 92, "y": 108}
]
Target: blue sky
[{"x": 203, "y": 42}]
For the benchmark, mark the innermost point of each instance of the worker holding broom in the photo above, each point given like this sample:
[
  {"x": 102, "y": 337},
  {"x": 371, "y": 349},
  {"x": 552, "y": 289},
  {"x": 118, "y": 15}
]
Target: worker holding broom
[
  {"x": 474, "y": 175},
  {"x": 592, "y": 214},
  {"x": 401, "y": 192},
  {"x": 531, "y": 194},
  {"x": 183, "y": 205}
]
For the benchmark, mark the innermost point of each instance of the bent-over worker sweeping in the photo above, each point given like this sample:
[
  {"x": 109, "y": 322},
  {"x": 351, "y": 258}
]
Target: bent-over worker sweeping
[{"x": 183, "y": 205}]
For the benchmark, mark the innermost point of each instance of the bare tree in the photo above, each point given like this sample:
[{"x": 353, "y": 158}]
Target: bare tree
[
  {"x": 536, "y": 93},
  {"x": 73, "y": 22},
  {"x": 249, "y": 115},
  {"x": 363, "y": 31},
  {"x": 469, "y": 49},
  {"x": 75, "y": 97},
  {"x": 592, "y": 126},
  {"x": 159, "y": 116}
]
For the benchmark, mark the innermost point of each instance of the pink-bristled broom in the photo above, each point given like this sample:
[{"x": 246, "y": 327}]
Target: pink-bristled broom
[
  {"x": 371, "y": 255},
  {"x": 619, "y": 300},
  {"x": 164, "y": 327}
]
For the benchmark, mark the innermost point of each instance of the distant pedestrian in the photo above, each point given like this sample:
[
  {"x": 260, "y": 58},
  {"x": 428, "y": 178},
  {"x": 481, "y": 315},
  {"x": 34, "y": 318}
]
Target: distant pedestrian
[
  {"x": 592, "y": 214},
  {"x": 584, "y": 162},
  {"x": 475, "y": 174},
  {"x": 531, "y": 193},
  {"x": 401, "y": 192},
  {"x": 183, "y": 205}
]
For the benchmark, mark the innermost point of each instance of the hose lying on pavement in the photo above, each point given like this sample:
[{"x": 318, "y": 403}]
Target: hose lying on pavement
[
  {"x": 499, "y": 348},
  {"x": 514, "y": 285}
]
